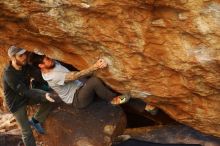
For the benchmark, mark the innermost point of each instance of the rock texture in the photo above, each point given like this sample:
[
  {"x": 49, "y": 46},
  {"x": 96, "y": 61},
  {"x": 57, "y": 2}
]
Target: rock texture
[
  {"x": 172, "y": 134},
  {"x": 7, "y": 123},
  {"x": 9, "y": 140},
  {"x": 96, "y": 125},
  {"x": 10, "y": 134},
  {"x": 169, "y": 48}
]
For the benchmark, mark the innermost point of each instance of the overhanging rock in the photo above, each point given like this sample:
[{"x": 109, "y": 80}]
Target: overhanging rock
[{"x": 169, "y": 48}]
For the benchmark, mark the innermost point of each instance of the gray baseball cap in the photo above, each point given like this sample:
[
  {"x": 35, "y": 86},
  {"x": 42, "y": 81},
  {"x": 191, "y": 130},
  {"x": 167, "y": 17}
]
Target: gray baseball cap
[{"x": 15, "y": 50}]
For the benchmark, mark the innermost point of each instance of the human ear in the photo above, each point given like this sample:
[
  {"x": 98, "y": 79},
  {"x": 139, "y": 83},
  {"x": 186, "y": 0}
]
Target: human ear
[
  {"x": 40, "y": 65},
  {"x": 13, "y": 58}
]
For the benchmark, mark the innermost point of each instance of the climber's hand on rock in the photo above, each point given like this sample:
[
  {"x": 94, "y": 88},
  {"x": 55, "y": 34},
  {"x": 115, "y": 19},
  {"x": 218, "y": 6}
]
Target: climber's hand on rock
[
  {"x": 101, "y": 63},
  {"x": 49, "y": 97}
]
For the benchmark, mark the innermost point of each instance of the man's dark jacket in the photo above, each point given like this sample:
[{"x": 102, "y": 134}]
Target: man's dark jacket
[{"x": 16, "y": 85}]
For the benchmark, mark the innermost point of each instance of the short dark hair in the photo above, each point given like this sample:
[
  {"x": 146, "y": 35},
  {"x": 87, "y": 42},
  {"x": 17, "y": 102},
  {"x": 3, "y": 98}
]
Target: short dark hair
[{"x": 35, "y": 59}]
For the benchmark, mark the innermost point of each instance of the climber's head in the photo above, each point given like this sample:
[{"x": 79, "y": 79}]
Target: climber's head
[
  {"x": 17, "y": 55},
  {"x": 41, "y": 61}
]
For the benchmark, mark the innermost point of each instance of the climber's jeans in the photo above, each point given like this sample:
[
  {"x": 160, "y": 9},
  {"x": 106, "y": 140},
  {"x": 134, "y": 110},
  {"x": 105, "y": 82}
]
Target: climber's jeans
[
  {"x": 92, "y": 87},
  {"x": 22, "y": 117}
]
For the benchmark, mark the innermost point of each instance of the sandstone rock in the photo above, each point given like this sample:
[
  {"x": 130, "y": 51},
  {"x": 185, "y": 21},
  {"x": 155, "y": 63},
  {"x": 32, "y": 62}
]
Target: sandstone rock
[
  {"x": 137, "y": 107},
  {"x": 7, "y": 123},
  {"x": 172, "y": 134},
  {"x": 9, "y": 140},
  {"x": 96, "y": 125},
  {"x": 158, "y": 22},
  {"x": 179, "y": 62},
  {"x": 182, "y": 16}
]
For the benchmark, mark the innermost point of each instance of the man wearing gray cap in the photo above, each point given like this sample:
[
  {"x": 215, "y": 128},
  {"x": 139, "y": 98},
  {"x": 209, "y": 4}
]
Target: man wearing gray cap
[{"x": 18, "y": 94}]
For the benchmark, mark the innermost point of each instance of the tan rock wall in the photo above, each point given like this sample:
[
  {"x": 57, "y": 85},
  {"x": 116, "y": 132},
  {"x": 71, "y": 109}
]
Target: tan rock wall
[{"x": 169, "y": 48}]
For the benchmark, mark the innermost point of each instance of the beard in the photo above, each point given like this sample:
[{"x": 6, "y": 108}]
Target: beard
[
  {"x": 53, "y": 64},
  {"x": 20, "y": 63}
]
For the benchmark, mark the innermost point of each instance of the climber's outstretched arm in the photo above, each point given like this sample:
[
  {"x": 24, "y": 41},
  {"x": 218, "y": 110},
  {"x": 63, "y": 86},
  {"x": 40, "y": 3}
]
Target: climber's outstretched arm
[{"x": 101, "y": 63}]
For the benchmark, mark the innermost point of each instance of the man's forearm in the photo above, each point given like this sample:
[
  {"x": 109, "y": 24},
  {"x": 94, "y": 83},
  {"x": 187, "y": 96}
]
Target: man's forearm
[{"x": 77, "y": 74}]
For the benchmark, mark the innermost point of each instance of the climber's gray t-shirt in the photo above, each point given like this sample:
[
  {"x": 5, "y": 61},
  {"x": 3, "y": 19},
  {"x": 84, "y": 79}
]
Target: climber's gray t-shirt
[{"x": 56, "y": 80}]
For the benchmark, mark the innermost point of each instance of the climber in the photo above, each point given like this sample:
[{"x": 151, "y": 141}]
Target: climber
[
  {"x": 71, "y": 86},
  {"x": 18, "y": 94}
]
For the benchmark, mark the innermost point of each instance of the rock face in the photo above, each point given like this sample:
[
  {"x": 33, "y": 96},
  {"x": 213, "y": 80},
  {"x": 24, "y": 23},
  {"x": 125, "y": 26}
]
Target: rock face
[
  {"x": 10, "y": 134},
  {"x": 96, "y": 125},
  {"x": 9, "y": 140},
  {"x": 169, "y": 48},
  {"x": 7, "y": 123},
  {"x": 172, "y": 134}
]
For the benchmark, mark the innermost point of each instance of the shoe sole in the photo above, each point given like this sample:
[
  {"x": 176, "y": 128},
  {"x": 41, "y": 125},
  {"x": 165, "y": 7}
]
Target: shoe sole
[{"x": 125, "y": 101}]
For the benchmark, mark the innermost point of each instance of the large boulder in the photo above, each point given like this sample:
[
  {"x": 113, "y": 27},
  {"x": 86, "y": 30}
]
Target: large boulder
[
  {"x": 9, "y": 139},
  {"x": 172, "y": 134},
  {"x": 96, "y": 125},
  {"x": 10, "y": 134},
  {"x": 169, "y": 48}
]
